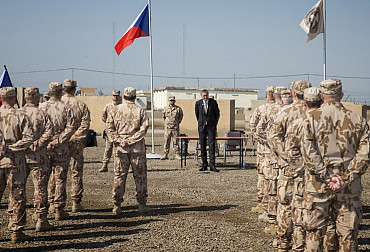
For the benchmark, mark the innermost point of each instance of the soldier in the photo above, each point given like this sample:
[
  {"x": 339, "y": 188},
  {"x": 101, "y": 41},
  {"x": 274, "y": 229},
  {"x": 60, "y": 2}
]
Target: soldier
[
  {"x": 116, "y": 100},
  {"x": 127, "y": 126},
  {"x": 335, "y": 150},
  {"x": 172, "y": 115},
  {"x": 76, "y": 142},
  {"x": 58, "y": 150},
  {"x": 272, "y": 165},
  {"x": 36, "y": 157},
  {"x": 286, "y": 97},
  {"x": 46, "y": 96},
  {"x": 262, "y": 151},
  {"x": 280, "y": 140},
  {"x": 18, "y": 135}
]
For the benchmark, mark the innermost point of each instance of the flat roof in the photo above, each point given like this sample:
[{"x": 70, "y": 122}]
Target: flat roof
[{"x": 250, "y": 90}]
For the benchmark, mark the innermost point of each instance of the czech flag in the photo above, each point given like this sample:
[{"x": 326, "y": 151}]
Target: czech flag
[{"x": 139, "y": 28}]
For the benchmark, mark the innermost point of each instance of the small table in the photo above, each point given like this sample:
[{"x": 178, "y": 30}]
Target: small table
[{"x": 240, "y": 139}]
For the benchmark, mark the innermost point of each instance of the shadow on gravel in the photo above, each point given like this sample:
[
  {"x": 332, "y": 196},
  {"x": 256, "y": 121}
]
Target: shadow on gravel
[
  {"x": 168, "y": 209},
  {"x": 114, "y": 224},
  {"x": 166, "y": 170},
  {"x": 78, "y": 244},
  {"x": 93, "y": 162}
]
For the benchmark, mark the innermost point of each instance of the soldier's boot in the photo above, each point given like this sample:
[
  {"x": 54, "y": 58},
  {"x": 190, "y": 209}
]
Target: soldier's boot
[
  {"x": 257, "y": 209},
  {"x": 104, "y": 167},
  {"x": 165, "y": 156},
  {"x": 61, "y": 215},
  {"x": 178, "y": 157},
  {"x": 51, "y": 208},
  {"x": 19, "y": 236},
  {"x": 270, "y": 229},
  {"x": 35, "y": 216},
  {"x": 77, "y": 207},
  {"x": 117, "y": 210},
  {"x": 143, "y": 208},
  {"x": 263, "y": 217},
  {"x": 43, "y": 224}
]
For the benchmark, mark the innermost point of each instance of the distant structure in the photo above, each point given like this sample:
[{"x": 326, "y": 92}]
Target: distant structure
[
  {"x": 88, "y": 91},
  {"x": 242, "y": 96}
]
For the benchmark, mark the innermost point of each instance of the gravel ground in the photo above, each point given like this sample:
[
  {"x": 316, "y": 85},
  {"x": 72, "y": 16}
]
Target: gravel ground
[{"x": 192, "y": 211}]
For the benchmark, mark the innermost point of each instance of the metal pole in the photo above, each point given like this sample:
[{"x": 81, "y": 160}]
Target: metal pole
[
  {"x": 324, "y": 36},
  {"x": 114, "y": 58},
  {"x": 152, "y": 154}
]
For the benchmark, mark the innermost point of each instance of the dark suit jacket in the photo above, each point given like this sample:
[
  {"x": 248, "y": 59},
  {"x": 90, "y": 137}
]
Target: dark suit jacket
[{"x": 210, "y": 118}]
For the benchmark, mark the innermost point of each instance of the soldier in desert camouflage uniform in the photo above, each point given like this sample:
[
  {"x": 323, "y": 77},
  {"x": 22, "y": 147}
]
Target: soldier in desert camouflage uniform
[
  {"x": 172, "y": 115},
  {"x": 262, "y": 152},
  {"x": 272, "y": 167},
  {"x": 286, "y": 97},
  {"x": 116, "y": 100},
  {"x": 76, "y": 142},
  {"x": 18, "y": 134},
  {"x": 127, "y": 126},
  {"x": 335, "y": 150},
  {"x": 280, "y": 139},
  {"x": 58, "y": 151},
  {"x": 46, "y": 96},
  {"x": 36, "y": 157}
]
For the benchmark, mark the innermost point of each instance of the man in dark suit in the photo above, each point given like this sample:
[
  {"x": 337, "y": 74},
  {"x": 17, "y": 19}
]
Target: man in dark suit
[{"x": 207, "y": 113}]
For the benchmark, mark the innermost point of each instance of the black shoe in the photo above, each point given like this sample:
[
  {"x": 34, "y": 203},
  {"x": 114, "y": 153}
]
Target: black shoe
[
  {"x": 203, "y": 169},
  {"x": 214, "y": 169}
]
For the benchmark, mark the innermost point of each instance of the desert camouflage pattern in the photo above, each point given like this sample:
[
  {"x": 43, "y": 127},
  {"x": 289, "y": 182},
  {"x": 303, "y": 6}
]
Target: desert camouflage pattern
[
  {"x": 37, "y": 162},
  {"x": 58, "y": 151},
  {"x": 108, "y": 144},
  {"x": 335, "y": 141},
  {"x": 270, "y": 163},
  {"x": 17, "y": 132},
  {"x": 129, "y": 122},
  {"x": 262, "y": 195},
  {"x": 172, "y": 116},
  {"x": 285, "y": 145},
  {"x": 76, "y": 144}
]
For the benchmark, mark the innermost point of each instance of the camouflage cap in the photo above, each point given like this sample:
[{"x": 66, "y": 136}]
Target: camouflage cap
[
  {"x": 312, "y": 94},
  {"x": 31, "y": 92},
  {"x": 116, "y": 92},
  {"x": 8, "y": 92},
  {"x": 331, "y": 86},
  {"x": 130, "y": 92},
  {"x": 70, "y": 83},
  {"x": 172, "y": 98},
  {"x": 286, "y": 94},
  {"x": 279, "y": 90},
  {"x": 46, "y": 94},
  {"x": 270, "y": 90},
  {"x": 55, "y": 87},
  {"x": 299, "y": 86}
]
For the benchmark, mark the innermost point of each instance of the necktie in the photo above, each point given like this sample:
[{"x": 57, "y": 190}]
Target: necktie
[{"x": 205, "y": 107}]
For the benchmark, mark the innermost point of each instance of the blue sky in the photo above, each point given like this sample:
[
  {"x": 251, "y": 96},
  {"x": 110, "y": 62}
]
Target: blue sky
[{"x": 223, "y": 38}]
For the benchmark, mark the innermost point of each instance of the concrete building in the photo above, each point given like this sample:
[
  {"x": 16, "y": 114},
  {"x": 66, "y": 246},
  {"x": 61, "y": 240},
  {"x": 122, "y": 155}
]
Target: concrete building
[{"x": 242, "y": 96}]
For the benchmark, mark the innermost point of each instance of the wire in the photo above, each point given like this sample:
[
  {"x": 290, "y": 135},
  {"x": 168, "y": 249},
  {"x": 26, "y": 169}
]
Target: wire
[{"x": 242, "y": 76}]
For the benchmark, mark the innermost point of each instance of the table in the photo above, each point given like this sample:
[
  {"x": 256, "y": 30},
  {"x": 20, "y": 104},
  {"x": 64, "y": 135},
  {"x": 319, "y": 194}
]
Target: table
[{"x": 241, "y": 138}]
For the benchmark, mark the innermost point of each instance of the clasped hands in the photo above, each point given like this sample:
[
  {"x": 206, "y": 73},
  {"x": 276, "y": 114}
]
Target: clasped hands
[
  {"x": 336, "y": 183},
  {"x": 123, "y": 143}
]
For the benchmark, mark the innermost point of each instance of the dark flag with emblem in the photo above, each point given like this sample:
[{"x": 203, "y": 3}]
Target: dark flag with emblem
[{"x": 313, "y": 22}]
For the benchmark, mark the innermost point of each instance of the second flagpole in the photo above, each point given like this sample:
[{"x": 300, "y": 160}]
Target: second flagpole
[{"x": 324, "y": 36}]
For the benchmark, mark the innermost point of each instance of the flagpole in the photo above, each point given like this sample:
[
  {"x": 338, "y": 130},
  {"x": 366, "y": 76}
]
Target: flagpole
[
  {"x": 151, "y": 155},
  {"x": 324, "y": 37}
]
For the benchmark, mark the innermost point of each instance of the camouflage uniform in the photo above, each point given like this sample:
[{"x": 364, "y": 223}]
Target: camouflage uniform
[
  {"x": 76, "y": 142},
  {"x": 36, "y": 157},
  {"x": 335, "y": 142},
  {"x": 271, "y": 168},
  {"x": 281, "y": 140},
  {"x": 128, "y": 122},
  {"x": 17, "y": 131},
  {"x": 172, "y": 115},
  {"x": 108, "y": 144},
  {"x": 58, "y": 151}
]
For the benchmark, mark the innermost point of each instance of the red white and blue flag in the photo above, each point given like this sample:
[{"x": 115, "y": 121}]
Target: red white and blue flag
[{"x": 139, "y": 28}]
